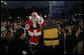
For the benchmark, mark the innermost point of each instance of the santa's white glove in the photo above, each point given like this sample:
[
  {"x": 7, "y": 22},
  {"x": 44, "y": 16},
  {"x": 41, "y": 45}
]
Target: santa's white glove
[
  {"x": 40, "y": 20},
  {"x": 27, "y": 26}
]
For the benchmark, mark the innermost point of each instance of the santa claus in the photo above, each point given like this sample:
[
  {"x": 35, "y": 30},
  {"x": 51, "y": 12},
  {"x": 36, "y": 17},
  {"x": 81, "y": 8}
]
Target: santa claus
[{"x": 34, "y": 25}]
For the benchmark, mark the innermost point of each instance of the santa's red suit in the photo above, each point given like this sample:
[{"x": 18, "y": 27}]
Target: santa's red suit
[{"x": 34, "y": 25}]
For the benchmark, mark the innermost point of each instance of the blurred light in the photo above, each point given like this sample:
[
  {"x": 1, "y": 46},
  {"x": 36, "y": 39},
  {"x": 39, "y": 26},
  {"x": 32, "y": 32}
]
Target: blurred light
[
  {"x": 79, "y": 14},
  {"x": 1, "y": 1},
  {"x": 48, "y": 14},
  {"x": 27, "y": 16},
  {"x": 17, "y": 17},
  {"x": 10, "y": 17},
  {"x": 45, "y": 16},
  {"x": 5, "y": 3},
  {"x": 75, "y": 14},
  {"x": 1, "y": 34}
]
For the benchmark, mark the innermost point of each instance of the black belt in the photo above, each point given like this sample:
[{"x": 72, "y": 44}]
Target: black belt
[
  {"x": 51, "y": 38},
  {"x": 34, "y": 28}
]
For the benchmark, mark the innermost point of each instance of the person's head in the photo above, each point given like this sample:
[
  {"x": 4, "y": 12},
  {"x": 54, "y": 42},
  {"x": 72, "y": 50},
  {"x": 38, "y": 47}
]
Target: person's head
[
  {"x": 3, "y": 33},
  {"x": 81, "y": 25},
  {"x": 14, "y": 30},
  {"x": 34, "y": 14},
  {"x": 5, "y": 24},
  {"x": 15, "y": 24},
  {"x": 20, "y": 33},
  {"x": 76, "y": 29},
  {"x": 1, "y": 24},
  {"x": 8, "y": 35},
  {"x": 34, "y": 17},
  {"x": 3, "y": 30},
  {"x": 18, "y": 26},
  {"x": 8, "y": 23},
  {"x": 11, "y": 25},
  {"x": 73, "y": 18}
]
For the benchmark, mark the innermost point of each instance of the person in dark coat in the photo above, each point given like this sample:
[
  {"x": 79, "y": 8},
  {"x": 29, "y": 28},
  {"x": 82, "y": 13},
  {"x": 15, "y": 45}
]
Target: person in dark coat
[
  {"x": 74, "y": 21},
  {"x": 68, "y": 40},
  {"x": 75, "y": 37},
  {"x": 5, "y": 42},
  {"x": 18, "y": 44}
]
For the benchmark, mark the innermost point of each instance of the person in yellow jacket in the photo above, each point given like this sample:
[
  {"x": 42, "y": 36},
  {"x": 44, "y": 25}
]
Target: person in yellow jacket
[{"x": 52, "y": 38}]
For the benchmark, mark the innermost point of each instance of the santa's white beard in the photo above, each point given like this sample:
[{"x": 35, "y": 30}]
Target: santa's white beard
[{"x": 34, "y": 20}]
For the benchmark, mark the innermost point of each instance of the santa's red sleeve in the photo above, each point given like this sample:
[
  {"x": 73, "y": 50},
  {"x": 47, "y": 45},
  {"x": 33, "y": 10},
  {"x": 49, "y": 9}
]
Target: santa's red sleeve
[
  {"x": 27, "y": 25},
  {"x": 27, "y": 22}
]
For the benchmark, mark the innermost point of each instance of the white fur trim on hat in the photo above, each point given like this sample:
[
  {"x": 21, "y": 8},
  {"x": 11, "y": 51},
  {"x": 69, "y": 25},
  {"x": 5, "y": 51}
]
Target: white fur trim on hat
[{"x": 34, "y": 13}]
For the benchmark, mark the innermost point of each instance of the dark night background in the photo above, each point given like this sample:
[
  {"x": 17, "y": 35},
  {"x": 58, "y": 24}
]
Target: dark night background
[{"x": 24, "y": 8}]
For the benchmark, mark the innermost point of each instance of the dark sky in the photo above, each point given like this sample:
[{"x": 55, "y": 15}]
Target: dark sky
[
  {"x": 27, "y": 4},
  {"x": 38, "y": 4}
]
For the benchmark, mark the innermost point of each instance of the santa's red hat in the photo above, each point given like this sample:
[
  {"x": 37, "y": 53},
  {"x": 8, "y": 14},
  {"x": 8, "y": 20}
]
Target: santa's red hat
[
  {"x": 35, "y": 13},
  {"x": 40, "y": 15}
]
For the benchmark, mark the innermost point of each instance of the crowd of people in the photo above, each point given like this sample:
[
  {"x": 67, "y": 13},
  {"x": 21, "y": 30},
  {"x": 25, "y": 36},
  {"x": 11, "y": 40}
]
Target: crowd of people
[
  {"x": 14, "y": 33},
  {"x": 73, "y": 33}
]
